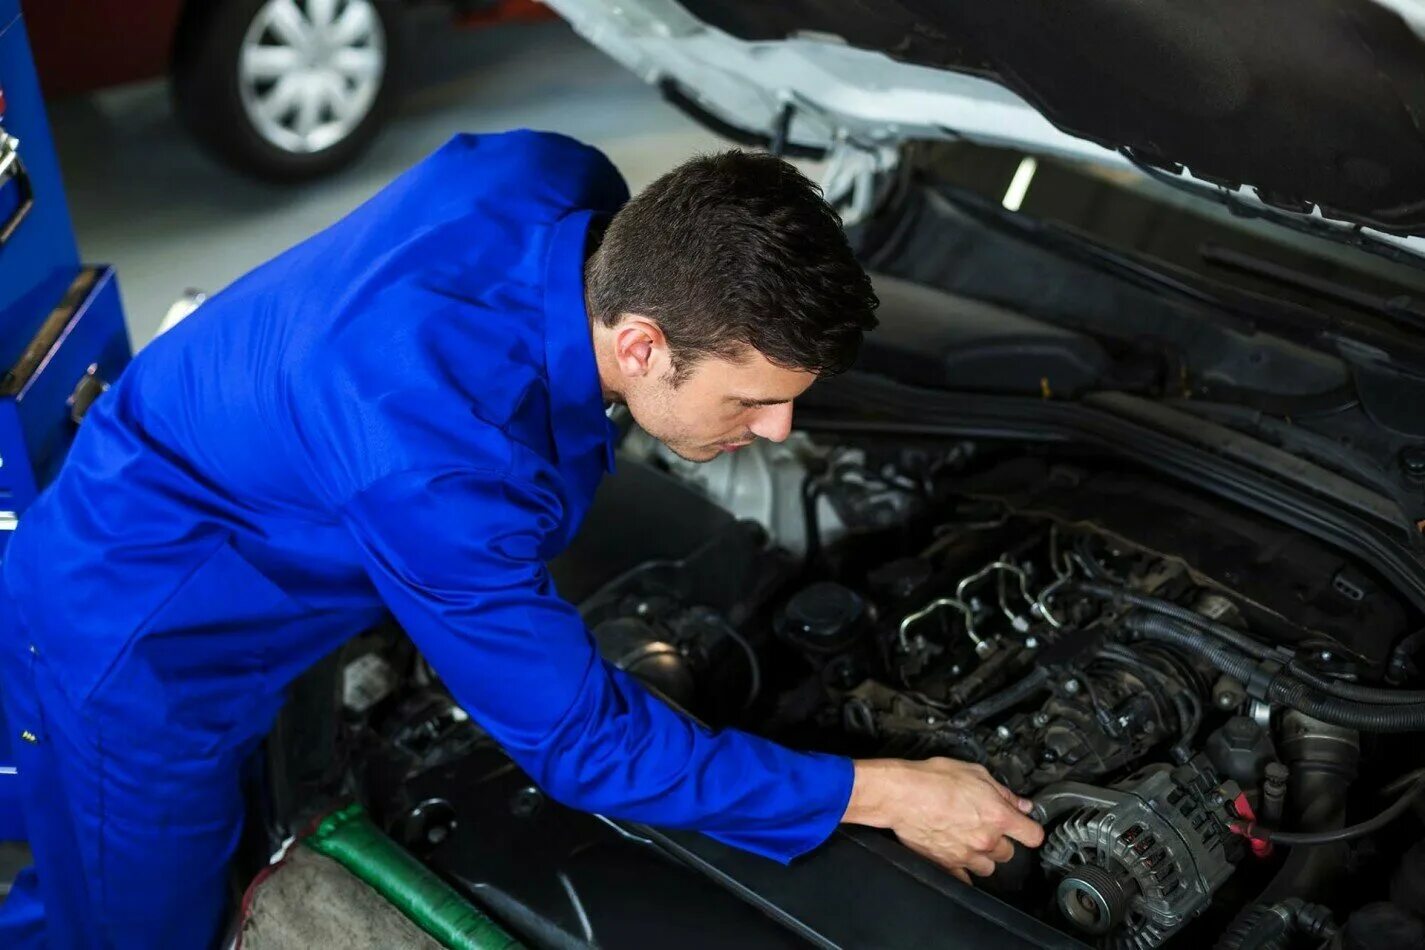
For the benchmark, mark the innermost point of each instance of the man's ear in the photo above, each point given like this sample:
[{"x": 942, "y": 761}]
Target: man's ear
[{"x": 640, "y": 349}]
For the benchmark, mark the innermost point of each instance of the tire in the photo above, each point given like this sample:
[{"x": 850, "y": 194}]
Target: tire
[{"x": 287, "y": 90}]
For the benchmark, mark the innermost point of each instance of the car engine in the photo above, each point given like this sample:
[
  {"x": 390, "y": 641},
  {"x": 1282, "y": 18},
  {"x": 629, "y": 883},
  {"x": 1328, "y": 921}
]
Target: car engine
[
  {"x": 1157, "y": 715},
  {"x": 1210, "y": 711}
]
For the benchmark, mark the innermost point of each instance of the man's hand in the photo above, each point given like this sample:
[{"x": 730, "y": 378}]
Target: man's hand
[{"x": 948, "y": 811}]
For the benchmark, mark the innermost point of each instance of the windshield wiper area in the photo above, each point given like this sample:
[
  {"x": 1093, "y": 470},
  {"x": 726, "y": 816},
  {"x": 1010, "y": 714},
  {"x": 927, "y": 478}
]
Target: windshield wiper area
[
  {"x": 1401, "y": 309},
  {"x": 1298, "y": 219},
  {"x": 1296, "y": 321}
]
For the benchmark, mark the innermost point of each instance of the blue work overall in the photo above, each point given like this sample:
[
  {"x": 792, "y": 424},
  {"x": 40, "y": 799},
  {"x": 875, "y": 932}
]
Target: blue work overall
[{"x": 402, "y": 413}]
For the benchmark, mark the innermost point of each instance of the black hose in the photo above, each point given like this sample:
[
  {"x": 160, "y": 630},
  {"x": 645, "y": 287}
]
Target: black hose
[
  {"x": 1402, "y": 658},
  {"x": 1348, "y": 833},
  {"x": 1366, "y": 694},
  {"x": 1274, "y": 926},
  {"x": 1184, "y": 700},
  {"x": 1347, "y": 712},
  {"x": 1005, "y": 699},
  {"x": 1190, "y": 724},
  {"x": 1194, "y": 641},
  {"x": 1180, "y": 613},
  {"x": 1283, "y": 688},
  {"x": 1336, "y": 688}
]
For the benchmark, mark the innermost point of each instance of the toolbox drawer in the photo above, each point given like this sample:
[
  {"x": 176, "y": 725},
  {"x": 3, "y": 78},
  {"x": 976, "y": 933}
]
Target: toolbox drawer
[
  {"x": 38, "y": 258},
  {"x": 81, "y": 347}
]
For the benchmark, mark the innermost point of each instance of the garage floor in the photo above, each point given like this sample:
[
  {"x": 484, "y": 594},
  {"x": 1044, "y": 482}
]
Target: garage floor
[{"x": 146, "y": 200}]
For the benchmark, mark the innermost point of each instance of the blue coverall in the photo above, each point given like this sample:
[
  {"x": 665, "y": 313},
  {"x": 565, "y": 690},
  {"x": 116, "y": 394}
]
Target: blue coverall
[{"x": 401, "y": 413}]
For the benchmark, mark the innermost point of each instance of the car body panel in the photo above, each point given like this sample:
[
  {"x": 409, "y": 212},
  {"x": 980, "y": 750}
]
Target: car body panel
[
  {"x": 843, "y": 73},
  {"x": 82, "y": 45}
]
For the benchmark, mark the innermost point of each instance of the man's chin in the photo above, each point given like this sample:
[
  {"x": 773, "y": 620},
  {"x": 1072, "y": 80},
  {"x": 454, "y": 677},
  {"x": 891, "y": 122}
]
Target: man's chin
[{"x": 700, "y": 454}]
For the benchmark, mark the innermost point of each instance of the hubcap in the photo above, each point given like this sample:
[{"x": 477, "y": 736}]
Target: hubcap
[{"x": 309, "y": 70}]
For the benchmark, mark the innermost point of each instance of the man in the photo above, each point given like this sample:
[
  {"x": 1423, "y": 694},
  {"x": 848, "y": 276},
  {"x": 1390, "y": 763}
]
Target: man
[{"x": 406, "y": 413}]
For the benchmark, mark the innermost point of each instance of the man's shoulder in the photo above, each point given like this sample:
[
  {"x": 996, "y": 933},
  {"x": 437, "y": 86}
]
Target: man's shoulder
[{"x": 545, "y": 172}]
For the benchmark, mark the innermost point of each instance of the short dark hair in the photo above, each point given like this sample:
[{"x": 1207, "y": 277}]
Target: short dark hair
[{"x": 734, "y": 250}]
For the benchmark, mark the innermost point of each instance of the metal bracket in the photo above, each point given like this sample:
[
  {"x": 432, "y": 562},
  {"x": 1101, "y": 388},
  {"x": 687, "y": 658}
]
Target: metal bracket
[{"x": 12, "y": 168}]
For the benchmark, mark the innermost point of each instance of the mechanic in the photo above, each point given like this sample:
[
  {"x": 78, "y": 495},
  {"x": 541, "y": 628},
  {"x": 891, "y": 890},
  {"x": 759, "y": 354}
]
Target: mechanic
[{"x": 407, "y": 413}]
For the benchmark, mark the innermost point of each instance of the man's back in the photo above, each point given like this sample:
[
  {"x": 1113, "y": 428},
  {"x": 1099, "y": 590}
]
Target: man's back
[{"x": 410, "y": 334}]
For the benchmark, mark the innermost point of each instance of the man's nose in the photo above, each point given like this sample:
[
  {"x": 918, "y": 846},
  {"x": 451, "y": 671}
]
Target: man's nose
[{"x": 773, "y": 423}]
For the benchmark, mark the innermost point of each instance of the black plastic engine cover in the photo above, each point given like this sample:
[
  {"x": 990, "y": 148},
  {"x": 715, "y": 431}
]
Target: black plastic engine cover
[
  {"x": 932, "y": 338},
  {"x": 561, "y": 878}
]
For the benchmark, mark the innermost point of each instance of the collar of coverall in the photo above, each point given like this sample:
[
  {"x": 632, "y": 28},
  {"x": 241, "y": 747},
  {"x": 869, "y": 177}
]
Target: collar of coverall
[{"x": 576, "y": 402}]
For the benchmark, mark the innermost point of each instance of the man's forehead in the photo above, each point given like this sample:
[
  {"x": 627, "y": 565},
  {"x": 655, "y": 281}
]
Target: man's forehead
[
  {"x": 769, "y": 385},
  {"x": 753, "y": 379}
]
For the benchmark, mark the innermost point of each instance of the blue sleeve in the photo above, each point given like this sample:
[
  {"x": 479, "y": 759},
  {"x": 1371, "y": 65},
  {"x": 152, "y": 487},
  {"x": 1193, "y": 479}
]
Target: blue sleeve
[{"x": 458, "y": 556}]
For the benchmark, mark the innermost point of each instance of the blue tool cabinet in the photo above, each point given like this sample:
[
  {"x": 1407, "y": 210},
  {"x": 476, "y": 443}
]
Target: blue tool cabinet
[{"x": 62, "y": 335}]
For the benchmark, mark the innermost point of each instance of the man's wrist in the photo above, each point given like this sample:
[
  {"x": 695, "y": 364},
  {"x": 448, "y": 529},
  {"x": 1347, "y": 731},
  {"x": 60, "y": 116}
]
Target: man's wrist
[{"x": 870, "y": 793}]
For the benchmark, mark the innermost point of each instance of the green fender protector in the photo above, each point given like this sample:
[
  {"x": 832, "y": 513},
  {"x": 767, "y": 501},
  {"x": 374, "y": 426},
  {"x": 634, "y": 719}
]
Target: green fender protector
[{"x": 350, "y": 838}]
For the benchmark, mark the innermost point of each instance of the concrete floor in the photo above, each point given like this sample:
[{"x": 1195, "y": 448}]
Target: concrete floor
[{"x": 144, "y": 198}]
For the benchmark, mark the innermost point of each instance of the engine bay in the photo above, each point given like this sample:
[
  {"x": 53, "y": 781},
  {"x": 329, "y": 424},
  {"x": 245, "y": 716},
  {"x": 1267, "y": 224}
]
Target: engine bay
[{"x": 1211, "y": 712}]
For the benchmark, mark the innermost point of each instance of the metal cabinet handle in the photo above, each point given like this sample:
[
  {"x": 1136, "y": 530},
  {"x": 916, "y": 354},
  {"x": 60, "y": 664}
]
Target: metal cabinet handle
[
  {"x": 12, "y": 167},
  {"x": 89, "y": 388}
]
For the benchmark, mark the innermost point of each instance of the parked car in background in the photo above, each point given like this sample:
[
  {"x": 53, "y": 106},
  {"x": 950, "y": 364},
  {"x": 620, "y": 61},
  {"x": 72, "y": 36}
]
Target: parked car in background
[{"x": 281, "y": 89}]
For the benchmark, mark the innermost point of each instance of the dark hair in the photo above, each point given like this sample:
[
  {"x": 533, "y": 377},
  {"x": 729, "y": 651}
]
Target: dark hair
[{"x": 734, "y": 250}]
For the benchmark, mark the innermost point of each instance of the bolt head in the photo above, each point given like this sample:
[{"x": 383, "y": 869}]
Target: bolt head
[
  {"x": 1031, "y": 644},
  {"x": 1004, "y": 733},
  {"x": 1225, "y": 700},
  {"x": 526, "y": 801},
  {"x": 1071, "y": 687},
  {"x": 1412, "y": 461}
]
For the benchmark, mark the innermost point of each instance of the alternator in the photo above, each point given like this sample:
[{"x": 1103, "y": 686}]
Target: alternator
[{"x": 1137, "y": 861}]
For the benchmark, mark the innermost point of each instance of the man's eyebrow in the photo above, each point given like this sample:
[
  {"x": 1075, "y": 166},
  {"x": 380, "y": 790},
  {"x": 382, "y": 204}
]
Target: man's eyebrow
[{"x": 750, "y": 401}]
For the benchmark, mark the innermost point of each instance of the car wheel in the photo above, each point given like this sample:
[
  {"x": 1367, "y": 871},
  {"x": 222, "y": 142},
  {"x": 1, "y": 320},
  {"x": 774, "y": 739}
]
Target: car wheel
[{"x": 287, "y": 89}]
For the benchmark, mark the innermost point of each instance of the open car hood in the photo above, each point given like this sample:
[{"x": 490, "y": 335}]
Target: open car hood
[{"x": 1315, "y": 107}]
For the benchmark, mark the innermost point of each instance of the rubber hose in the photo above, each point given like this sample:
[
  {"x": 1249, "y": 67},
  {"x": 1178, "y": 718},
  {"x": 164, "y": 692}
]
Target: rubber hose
[
  {"x": 1365, "y": 694},
  {"x": 1284, "y": 688},
  {"x": 1165, "y": 630},
  {"x": 1348, "y": 833},
  {"x": 1346, "y": 712},
  {"x": 1006, "y": 698},
  {"x": 1402, "y": 658},
  {"x": 1178, "y": 612},
  {"x": 1273, "y": 926},
  {"x": 1352, "y": 691}
]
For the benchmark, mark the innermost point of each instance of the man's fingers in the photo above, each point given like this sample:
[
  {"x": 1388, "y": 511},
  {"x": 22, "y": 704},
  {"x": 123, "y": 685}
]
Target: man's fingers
[
  {"x": 961, "y": 874},
  {"x": 980, "y": 865},
  {"x": 1002, "y": 852},
  {"x": 1023, "y": 804},
  {"x": 1025, "y": 830}
]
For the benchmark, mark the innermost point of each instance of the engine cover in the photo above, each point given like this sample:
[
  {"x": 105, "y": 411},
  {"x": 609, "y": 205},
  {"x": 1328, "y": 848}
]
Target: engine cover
[{"x": 1137, "y": 861}]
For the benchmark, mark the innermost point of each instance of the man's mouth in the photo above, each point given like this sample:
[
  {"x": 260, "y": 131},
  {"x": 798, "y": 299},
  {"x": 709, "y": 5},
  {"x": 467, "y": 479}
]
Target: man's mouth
[{"x": 732, "y": 446}]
